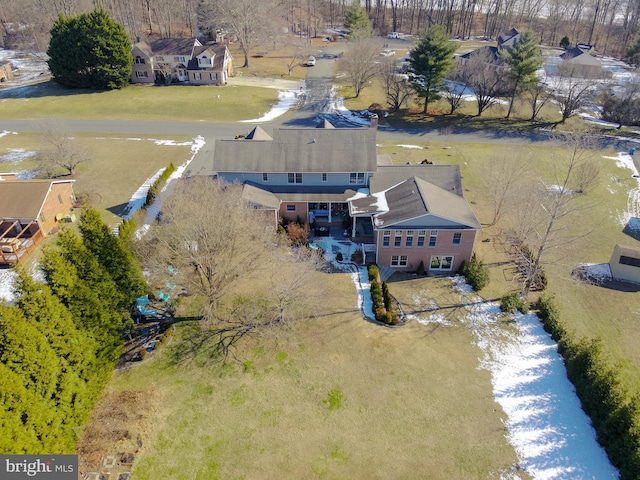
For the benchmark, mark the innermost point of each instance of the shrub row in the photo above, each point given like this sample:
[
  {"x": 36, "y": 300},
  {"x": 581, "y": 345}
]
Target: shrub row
[
  {"x": 158, "y": 184},
  {"x": 614, "y": 415},
  {"x": 383, "y": 306}
]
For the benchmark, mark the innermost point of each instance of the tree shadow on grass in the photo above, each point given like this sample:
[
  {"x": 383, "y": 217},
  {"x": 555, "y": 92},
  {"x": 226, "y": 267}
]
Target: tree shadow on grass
[{"x": 47, "y": 88}]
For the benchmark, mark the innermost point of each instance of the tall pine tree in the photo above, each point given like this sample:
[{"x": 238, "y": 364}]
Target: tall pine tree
[
  {"x": 430, "y": 61},
  {"x": 357, "y": 22},
  {"x": 524, "y": 58}
]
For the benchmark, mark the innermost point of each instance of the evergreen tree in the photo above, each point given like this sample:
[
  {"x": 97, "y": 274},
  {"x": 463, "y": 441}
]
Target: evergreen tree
[
  {"x": 112, "y": 254},
  {"x": 524, "y": 58},
  {"x": 357, "y": 22},
  {"x": 632, "y": 57},
  {"x": 430, "y": 61},
  {"x": 90, "y": 50},
  {"x": 564, "y": 42}
]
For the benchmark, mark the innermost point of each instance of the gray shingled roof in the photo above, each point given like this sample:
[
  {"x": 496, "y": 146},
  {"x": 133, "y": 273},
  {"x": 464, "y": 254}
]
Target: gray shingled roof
[
  {"x": 446, "y": 177},
  {"x": 301, "y": 150},
  {"x": 258, "y": 196},
  {"x": 415, "y": 198},
  {"x": 173, "y": 46},
  {"x": 258, "y": 134}
]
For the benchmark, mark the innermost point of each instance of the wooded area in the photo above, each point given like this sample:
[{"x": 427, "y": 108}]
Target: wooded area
[{"x": 610, "y": 25}]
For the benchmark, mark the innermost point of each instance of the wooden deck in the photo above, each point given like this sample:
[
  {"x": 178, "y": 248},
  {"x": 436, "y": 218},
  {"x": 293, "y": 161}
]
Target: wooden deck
[{"x": 15, "y": 246}]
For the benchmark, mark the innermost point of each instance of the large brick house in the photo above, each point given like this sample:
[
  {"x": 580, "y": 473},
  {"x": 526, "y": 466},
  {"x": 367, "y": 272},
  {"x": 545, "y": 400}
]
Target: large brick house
[
  {"x": 171, "y": 60},
  {"x": 333, "y": 177}
]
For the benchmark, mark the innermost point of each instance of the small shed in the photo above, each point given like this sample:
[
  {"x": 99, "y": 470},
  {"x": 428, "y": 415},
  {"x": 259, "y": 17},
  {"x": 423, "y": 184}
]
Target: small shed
[{"x": 625, "y": 264}]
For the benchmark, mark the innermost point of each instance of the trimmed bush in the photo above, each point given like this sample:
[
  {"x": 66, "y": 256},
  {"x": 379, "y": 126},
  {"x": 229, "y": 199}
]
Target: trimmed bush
[
  {"x": 158, "y": 184},
  {"x": 513, "y": 301},
  {"x": 373, "y": 272},
  {"x": 476, "y": 274},
  {"x": 420, "y": 270}
]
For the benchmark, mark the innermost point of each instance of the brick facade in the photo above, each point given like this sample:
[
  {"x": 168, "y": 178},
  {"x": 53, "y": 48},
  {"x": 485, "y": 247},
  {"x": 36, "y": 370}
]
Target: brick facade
[{"x": 443, "y": 249}]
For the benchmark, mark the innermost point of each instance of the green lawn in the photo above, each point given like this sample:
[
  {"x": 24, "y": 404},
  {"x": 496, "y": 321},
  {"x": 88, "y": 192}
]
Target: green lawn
[{"x": 180, "y": 103}]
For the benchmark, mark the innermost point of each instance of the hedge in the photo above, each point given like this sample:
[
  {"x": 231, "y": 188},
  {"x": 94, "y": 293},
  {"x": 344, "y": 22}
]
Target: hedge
[
  {"x": 155, "y": 188},
  {"x": 615, "y": 415}
]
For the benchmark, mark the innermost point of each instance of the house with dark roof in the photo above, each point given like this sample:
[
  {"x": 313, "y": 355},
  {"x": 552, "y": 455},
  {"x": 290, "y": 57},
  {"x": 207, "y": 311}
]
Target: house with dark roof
[
  {"x": 581, "y": 62},
  {"x": 171, "y": 60},
  {"x": 508, "y": 38},
  {"x": 334, "y": 178},
  {"x": 29, "y": 211}
]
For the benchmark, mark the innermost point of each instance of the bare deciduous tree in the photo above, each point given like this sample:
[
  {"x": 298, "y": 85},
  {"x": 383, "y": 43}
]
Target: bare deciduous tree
[
  {"x": 397, "y": 86},
  {"x": 228, "y": 255},
  {"x": 541, "y": 224},
  {"x": 484, "y": 76},
  {"x": 504, "y": 179},
  {"x": 251, "y": 22},
  {"x": 573, "y": 91},
  {"x": 361, "y": 63},
  {"x": 60, "y": 150}
]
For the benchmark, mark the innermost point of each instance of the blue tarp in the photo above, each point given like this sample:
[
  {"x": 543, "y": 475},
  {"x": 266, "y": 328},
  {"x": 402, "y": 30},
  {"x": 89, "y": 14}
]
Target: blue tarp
[
  {"x": 163, "y": 296},
  {"x": 144, "y": 310},
  {"x": 144, "y": 300},
  {"x": 172, "y": 270}
]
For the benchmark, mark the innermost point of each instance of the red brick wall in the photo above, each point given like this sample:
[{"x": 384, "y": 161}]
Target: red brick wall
[
  {"x": 301, "y": 211},
  {"x": 444, "y": 247},
  {"x": 60, "y": 200}
]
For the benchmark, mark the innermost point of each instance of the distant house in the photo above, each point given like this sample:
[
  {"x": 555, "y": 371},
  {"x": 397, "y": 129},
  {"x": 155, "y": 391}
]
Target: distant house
[
  {"x": 509, "y": 38},
  {"x": 171, "y": 60},
  {"x": 580, "y": 62},
  {"x": 6, "y": 73},
  {"x": 333, "y": 178},
  {"x": 29, "y": 211},
  {"x": 625, "y": 264}
]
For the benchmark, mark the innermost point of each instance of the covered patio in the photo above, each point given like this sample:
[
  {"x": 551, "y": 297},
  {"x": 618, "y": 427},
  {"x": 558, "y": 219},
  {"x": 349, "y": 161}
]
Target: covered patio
[{"x": 18, "y": 239}]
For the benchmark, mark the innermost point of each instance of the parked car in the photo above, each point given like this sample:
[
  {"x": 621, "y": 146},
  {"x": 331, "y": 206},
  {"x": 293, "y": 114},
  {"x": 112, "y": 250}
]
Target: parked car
[
  {"x": 311, "y": 61},
  {"x": 387, "y": 52},
  {"x": 393, "y": 35}
]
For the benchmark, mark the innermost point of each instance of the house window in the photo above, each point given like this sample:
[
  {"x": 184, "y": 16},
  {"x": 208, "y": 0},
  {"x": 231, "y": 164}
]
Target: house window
[
  {"x": 356, "y": 177},
  {"x": 204, "y": 60},
  {"x": 265, "y": 177},
  {"x": 421, "y": 235},
  {"x": 399, "y": 261},
  {"x": 324, "y": 177},
  {"x": 197, "y": 76},
  {"x": 141, "y": 74},
  {"x": 291, "y": 208},
  {"x": 409, "y": 240},
  {"x": 441, "y": 263},
  {"x": 386, "y": 238},
  {"x": 457, "y": 237},
  {"x": 633, "y": 262},
  {"x": 179, "y": 59},
  {"x": 294, "y": 177},
  {"x": 433, "y": 236},
  {"x": 160, "y": 58},
  {"x": 397, "y": 239},
  {"x": 139, "y": 61}
]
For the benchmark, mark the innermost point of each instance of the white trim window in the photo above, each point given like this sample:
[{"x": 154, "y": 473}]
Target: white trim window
[
  {"x": 291, "y": 208},
  {"x": 399, "y": 260},
  {"x": 356, "y": 177},
  {"x": 386, "y": 238},
  {"x": 441, "y": 262},
  {"x": 457, "y": 238},
  {"x": 397, "y": 239},
  {"x": 294, "y": 177},
  {"x": 141, "y": 75},
  {"x": 408, "y": 242},
  {"x": 433, "y": 238},
  {"x": 421, "y": 236},
  {"x": 139, "y": 61}
]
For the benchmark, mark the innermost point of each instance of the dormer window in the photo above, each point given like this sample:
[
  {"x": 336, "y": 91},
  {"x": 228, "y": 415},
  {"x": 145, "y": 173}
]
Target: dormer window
[{"x": 204, "y": 60}]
